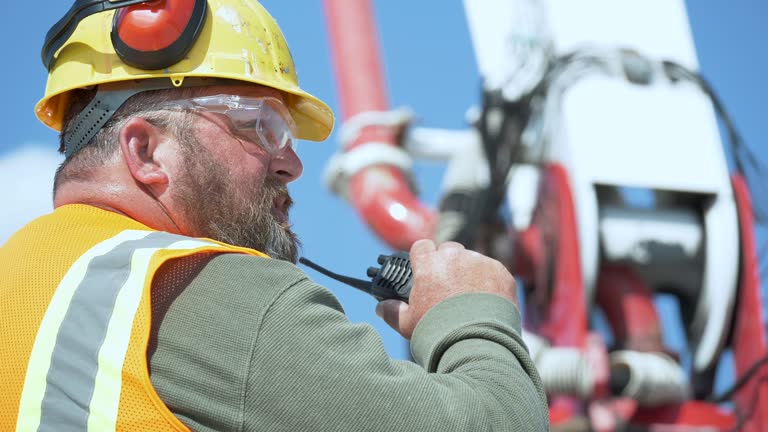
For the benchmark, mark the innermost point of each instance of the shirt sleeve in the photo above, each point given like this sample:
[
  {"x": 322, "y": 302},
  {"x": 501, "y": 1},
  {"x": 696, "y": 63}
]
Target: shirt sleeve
[{"x": 312, "y": 369}]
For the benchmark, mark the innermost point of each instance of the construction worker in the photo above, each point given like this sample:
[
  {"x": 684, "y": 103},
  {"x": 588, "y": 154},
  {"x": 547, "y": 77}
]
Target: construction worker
[{"x": 161, "y": 293}]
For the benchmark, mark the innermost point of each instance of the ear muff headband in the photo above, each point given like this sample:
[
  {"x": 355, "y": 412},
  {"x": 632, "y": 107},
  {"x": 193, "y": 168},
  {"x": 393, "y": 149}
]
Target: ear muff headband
[
  {"x": 63, "y": 29},
  {"x": 176, "y": 24}
]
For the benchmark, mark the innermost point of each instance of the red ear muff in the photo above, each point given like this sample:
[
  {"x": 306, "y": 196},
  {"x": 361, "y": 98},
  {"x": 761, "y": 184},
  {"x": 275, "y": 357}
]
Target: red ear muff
[{"x": 157, "y": 34}]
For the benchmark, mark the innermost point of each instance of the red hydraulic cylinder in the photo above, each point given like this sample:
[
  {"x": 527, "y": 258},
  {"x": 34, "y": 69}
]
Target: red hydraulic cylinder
[
  {"x": 750, "y": 343},
  {"x": 381, "y": 193},
  {"x": 628, "y": 305}
]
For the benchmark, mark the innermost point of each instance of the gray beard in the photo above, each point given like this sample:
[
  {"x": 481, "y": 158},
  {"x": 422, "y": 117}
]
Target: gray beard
[{"x": 243, "y": 218}]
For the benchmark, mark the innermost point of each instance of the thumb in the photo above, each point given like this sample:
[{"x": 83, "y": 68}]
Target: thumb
[{"x": 395, "y": 313}]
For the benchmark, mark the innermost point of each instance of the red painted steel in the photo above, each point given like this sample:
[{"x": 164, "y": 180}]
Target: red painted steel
[
  {"x": 560, "y": 315},
  {"x": 689, "y": 416},
  {"x": 557, "y": 308},
  {"x": 628, "y": 305},
  {"x": 381, "y": 194},
  {"x": 749, "y": 338}
]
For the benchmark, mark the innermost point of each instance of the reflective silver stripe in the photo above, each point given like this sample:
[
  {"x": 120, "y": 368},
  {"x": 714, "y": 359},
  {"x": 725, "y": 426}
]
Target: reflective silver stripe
[
  {"x": 92, "y": 327},
  {"x": 72, "y": 373}
]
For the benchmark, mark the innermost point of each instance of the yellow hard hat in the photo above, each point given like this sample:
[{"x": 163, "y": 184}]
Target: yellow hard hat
[{"x": 231, "y": 39}]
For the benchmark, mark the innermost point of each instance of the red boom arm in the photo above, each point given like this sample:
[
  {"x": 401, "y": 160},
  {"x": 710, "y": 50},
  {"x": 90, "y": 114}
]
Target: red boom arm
[{"x": 381, "y": 194}]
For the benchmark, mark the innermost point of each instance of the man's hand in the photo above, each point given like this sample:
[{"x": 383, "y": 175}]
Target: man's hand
[{"x": 442, "y": 272}]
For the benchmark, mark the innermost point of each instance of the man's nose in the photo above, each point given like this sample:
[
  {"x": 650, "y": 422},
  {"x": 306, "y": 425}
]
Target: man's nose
[{"x": 286, "y": 165}]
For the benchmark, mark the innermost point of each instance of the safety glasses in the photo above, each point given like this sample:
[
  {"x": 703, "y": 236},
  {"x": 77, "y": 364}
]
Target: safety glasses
[{"x": 259, "y": 123}]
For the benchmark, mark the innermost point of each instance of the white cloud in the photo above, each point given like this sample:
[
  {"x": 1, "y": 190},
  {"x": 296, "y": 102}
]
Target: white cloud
[{"x": 27, "y": 179}]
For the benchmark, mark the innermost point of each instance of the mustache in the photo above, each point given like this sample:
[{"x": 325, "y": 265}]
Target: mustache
[{"x": 275, "y": 191}]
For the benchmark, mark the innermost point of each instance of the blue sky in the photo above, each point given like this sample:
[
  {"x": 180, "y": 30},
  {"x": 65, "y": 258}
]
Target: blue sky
[{"x": 429, "y": 67}]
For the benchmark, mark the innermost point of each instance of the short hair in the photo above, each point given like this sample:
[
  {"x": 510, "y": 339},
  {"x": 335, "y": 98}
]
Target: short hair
[{"x": 103, "y": 147}]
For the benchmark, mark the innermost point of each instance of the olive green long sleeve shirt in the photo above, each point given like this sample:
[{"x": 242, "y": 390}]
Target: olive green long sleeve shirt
[{"x": 249, "y": 343}]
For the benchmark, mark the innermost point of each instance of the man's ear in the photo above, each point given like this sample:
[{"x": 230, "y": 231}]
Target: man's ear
[{"x": 140, "y": 142}]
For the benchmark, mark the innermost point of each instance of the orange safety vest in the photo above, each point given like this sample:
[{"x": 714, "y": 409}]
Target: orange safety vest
[{"x": 75, "y": 322}]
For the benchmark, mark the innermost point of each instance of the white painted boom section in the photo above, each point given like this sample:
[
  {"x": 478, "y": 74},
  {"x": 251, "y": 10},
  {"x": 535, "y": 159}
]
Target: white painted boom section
[
  {"x": 607, "y": 131},
  {"x": 658, "y": 28}
]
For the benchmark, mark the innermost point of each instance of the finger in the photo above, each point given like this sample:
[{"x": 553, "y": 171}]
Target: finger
[
  {"x": 450, "y": 245},
  {"x": 394, "y": 313},
  {"x": 422, "y": 247}
]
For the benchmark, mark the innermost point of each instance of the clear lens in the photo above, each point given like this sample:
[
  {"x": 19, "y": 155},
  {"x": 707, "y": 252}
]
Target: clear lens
[{"x": 263, "y": 122}]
